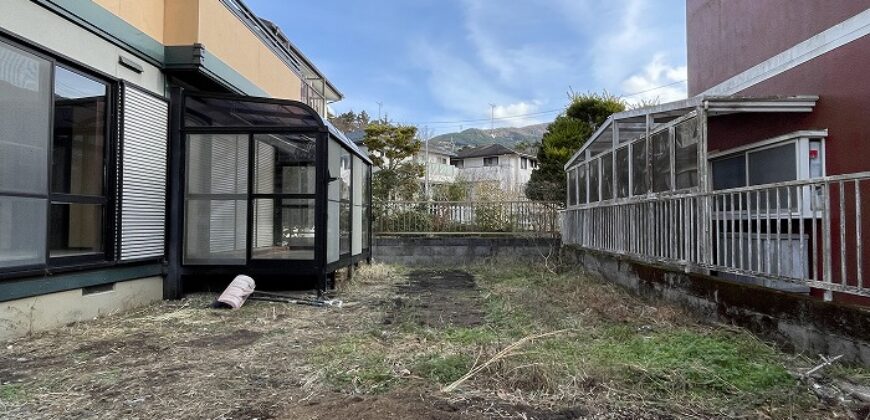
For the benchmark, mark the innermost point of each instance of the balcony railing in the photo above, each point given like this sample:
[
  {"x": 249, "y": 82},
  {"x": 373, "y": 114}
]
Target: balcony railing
[
  {"x": 455, "y": 217},
  {"x": 807, "y": 232}
]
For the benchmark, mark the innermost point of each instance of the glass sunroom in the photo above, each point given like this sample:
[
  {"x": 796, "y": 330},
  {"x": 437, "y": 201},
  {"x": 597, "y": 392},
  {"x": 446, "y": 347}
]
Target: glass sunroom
[{"x": 266, "y": 188}]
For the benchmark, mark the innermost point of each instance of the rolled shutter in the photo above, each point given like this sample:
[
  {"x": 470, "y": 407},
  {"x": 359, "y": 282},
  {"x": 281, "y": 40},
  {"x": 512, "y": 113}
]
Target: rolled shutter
[{"x": 143, "y": 160}]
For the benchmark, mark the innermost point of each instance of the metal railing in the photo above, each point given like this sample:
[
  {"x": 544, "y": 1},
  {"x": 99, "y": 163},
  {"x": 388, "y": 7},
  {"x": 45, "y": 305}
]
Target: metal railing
[
  {"x": 466, "y": 217},
  {"x": 808, "y": 232}
]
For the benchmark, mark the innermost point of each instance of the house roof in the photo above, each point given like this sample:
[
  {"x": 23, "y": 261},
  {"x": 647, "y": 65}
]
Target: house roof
[
  {"x": 438, "y": 148},
  {"x": 488, "y": 150}
]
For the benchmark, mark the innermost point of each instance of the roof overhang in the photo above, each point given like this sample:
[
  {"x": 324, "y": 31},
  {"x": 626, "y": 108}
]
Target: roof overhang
[{"x": 712, "y": 105}]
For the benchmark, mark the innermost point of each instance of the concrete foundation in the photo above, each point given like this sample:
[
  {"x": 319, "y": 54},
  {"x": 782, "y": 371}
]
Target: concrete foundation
[
  {"x": 448, "y": 250},
  {"x": 29, "y": 315},
  {"x": 798, "y": 322}
]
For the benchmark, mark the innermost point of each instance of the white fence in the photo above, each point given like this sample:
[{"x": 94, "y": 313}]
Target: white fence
[{"x": 808, "y": 232}]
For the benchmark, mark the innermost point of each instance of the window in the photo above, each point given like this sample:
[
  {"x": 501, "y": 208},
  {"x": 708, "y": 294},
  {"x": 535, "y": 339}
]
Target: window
[
  {"x": 216, "y": 199},
  {"x": 686, "y": 137},
  {"x": 284, "y": 187},
  {"x": 640, "y": 181},
  {"x": 457, "y": 163},
  {"x": 660, "y": 161},
  {"x": 443, "y": 160},
  {"x": 581, "y": 184},
  {"x": 607, "y": 176},
  {"x": 524, "y": 163},
  {"x": 490, "y": 161},
  {"x": 78, "y": 191},
  {"x": 775, "y": 164},
  {"x": 729, "y": 172},
  {"x": 572, "y": 187},
  {"x": 593, "y": 181},
  {"x": 58, "y": 128},
  {"x": 345, "y": 202},
  {"x": 25, "y": 118},
  {"x": 622, "y": 172}
]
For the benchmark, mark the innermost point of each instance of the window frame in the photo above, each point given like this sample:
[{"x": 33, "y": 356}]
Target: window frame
[
  {"x": 490, "y": 159},
  {"x": 110, "y": 233}
]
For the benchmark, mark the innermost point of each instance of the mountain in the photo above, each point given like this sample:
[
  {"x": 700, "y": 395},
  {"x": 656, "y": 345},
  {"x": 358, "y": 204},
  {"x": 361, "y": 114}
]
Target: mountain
[{"x": 507, "y": 136}]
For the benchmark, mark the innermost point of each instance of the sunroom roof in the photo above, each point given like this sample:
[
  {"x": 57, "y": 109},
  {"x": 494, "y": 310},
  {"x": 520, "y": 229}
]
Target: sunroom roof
[{"x": 632, "y": 123}]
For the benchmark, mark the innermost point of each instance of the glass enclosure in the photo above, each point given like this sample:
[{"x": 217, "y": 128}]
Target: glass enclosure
[{"x": 254, "y": 195}]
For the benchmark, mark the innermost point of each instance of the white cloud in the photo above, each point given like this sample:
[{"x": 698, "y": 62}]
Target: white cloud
[
  {"x": 517, "y": 114},
  {"x": 659, "y": 81}
]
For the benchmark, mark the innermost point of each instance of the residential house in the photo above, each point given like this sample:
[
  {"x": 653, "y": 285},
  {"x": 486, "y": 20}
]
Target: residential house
[
  {"x": 149, "y": 145},
  {"x": 496, "y": 165},
  {"x": 761, "y": 174}
]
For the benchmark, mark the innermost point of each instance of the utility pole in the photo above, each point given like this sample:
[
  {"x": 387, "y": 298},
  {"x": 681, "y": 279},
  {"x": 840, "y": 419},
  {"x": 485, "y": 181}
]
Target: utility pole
[
  {"x": 380, "y": 104},
  {"x": 426, "y": 139}
]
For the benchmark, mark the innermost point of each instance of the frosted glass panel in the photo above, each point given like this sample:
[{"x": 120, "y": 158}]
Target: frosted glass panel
[
  {"x": 22, "y": 231},
  {"x": 25, "y": 107}
]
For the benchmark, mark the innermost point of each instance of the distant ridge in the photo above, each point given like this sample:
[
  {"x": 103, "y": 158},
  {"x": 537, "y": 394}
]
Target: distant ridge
[{"x": 506, "y": 136}]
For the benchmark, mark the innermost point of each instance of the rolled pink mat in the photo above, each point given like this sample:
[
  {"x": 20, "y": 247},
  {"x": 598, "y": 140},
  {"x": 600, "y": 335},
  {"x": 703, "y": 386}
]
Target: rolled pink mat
[{"x": 237, "y": 292}]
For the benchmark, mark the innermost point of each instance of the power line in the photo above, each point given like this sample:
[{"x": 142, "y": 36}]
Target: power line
[{"x": 552, "y": 111}]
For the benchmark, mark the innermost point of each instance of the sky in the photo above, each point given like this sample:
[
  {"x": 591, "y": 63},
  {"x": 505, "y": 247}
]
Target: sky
[{"x": 441, "y": 64}]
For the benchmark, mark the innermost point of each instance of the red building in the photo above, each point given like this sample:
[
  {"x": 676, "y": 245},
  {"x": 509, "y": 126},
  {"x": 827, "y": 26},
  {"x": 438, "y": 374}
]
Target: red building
[{"x": 762, "y": 174}]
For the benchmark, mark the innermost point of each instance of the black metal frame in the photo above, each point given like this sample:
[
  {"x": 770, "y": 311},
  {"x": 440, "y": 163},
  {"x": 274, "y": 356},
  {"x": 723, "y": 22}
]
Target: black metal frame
[{"x": 318, "y": 267}]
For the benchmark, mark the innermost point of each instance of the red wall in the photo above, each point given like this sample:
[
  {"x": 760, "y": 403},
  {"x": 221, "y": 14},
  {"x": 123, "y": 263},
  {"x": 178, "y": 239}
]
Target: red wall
[
  {"x": 841, "y": 79},
  {"x": 726, "y": 37}
]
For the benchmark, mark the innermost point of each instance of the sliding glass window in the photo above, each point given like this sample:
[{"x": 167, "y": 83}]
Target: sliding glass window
[{"x": 54, "y": 160}]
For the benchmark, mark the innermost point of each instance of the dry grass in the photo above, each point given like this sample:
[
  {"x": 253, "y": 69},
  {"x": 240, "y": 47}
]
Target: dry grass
[{"x": 618, "y": 356}]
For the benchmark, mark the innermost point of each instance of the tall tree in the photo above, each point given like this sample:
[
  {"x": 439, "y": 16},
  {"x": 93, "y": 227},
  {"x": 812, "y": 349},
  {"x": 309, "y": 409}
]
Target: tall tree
[
  {"x": 565, "y": 136},
  {"x": 350, "y": 121},
  {"x": 392, "y": 149}
]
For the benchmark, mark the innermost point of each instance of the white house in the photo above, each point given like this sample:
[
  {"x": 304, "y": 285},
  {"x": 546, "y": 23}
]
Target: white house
[{"x": 494, "y": 163}]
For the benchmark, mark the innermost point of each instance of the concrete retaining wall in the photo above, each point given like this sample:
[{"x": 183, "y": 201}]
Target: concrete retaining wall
[
  {"x": 439, "y": 250},
  {"x": 798, "y": 322}
]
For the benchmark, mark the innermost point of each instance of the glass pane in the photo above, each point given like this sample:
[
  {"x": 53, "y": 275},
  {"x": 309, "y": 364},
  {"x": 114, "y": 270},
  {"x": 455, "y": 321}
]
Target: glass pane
[
  {"x": 686, "y": 137},
  {"x": 79, "y": 142},
  {"x": 640, "y": 180},
  {"x": 366, "y": 226},
  {"x": 776, "y": 164},
  {"x": 222, "y": 112},
  {"x": 22, "y": 231},
  {"x": 332, "y": 246},
  {"x": 215, "y": 231},
  {"x": 660, "y": 161},
  {"x": 607, "y": 177},
  {"x": 217, "y": 164},
  {"x": 25, "y": 109},
  {"x": 284, "y": 229},
  {"x": 622, "y": 172},
  {"x": 334, "y": 169},
  {"x": 344, "y": 228},
  {"x": 344, "y": 175},
  {"x": 572, "y": 186},
  {"x": 581, "y": 184},
  {"x": 75, "y": 229},
  {"x": 593, "y": 181},
  {"x": 284, "y": 164},
  {"x": 729, "y": 172}
]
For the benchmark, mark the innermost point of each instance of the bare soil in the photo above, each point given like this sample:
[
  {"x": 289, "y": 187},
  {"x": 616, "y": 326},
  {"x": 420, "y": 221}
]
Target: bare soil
[{"x": 388, "y": 353}]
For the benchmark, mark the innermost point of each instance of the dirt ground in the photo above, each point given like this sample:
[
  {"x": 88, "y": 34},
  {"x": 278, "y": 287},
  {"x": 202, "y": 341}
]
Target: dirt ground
[{"x": 399, "y": 342}]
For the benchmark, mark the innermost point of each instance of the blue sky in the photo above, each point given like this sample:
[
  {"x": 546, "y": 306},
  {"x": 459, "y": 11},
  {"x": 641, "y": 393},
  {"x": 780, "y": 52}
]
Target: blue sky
[{"x": 442, "y": 62}]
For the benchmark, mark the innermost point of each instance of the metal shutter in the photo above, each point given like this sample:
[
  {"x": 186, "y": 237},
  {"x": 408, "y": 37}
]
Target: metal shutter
[{"x": 143, "y": 157}]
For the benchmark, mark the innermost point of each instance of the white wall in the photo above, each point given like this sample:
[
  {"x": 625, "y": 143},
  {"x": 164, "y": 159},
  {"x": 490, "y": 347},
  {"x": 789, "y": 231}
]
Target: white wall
[{"x": 507, "y": 173}]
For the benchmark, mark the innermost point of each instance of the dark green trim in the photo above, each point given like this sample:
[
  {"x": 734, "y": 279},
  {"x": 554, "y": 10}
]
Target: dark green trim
[
  {"x": 196, "y": 57},
  {"x": 36, "y": 286},
  {"x": 103, "y": 23}
]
